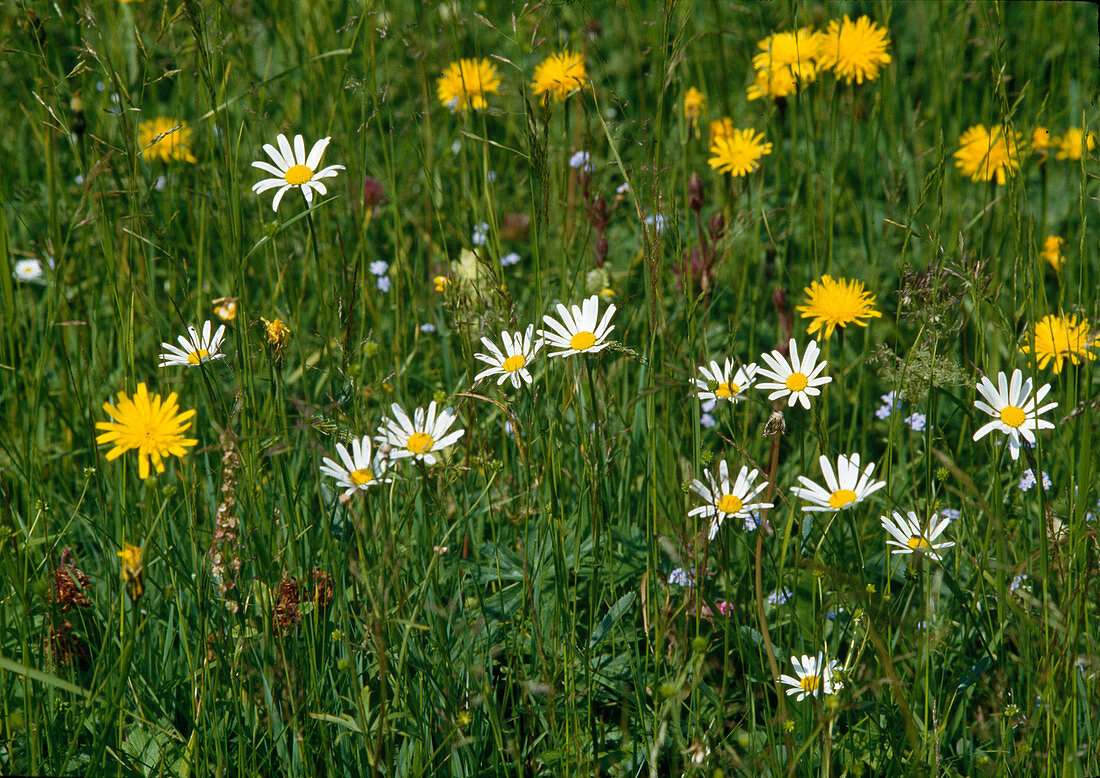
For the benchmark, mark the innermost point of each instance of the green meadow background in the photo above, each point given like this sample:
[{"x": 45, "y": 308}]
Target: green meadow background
[{"x": 508, "y": 611}]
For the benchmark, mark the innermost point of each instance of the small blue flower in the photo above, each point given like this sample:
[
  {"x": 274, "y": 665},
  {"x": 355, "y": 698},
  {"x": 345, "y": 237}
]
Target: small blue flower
[
  {"x": 887, "y": 407},
  {"x": 481, "y": 234},
  {"x": 510, "y": 259},
  {"x": 580, "y": 159},
  {"x": 916, "y": 421},
  {"x": 681, "y": 577},
  {"x": 379, "y": 267},
  {"x": 384, "y": 283}
]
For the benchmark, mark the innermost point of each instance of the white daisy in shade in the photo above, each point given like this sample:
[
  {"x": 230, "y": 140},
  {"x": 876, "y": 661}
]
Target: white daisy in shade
[
  {"x": 723, "y": 500},
  {"x": 511, "y": 362},
  {"x": 293, "y": 168},
  {"x": 796, "y": 377},
  {"x": 847, "y": 486},
  {"x": 1013, "y": 412},
  {"x": 356, "y": 471},
  {"x": 911, "y": 538},
  {"x": 28, "y": 271},
  {"x": 419, "y": 436},
  {"x": 731, "y": 385},
  {"x": 580, "y": 331},
  {"x": 194, "y": 349},
  {"x": 813, "y": 677}
]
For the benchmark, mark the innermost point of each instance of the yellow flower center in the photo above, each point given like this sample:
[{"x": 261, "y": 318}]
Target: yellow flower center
[
  {"x": 728, "y": 389},
  {"x": 582, "y": 341},
  {"x": 514, "y": 363},
  {"x": 841, "y": 498},
  {"x": 196, "y": 357},
  {"x": 796, "y": 382},
  {"x": 361, "y": 476},
  {"x": 730, "y": 503},
  {"x": 810, "y": 683},
  {"x": 298, "y": 175},
  {"x": 1012, "y": 416},
  {"x": 917, "y": 543},
  {"x": 419, "y": 442}
]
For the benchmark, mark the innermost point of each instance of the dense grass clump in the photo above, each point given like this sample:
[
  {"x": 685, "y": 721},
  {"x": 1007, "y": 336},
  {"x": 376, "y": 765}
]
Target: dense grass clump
[{"x": 595, "y": 389}]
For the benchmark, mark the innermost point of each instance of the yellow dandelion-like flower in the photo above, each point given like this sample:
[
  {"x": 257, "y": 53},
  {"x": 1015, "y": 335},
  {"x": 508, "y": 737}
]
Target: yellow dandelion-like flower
[
  {"x": 1052, "y": 251},
  {"x": 772, "y": 84},
  {"x": 833, "y": 303},
  {"x": 465, "y": 83},
  {"x": 1061, "y": 338},
  {"x": 987, "y": 154},
  {"x": 559, "y": 75},
  {"x": 152, "y": 426},
  {"x": 1073, "y": 144},
  {"x": 740, "y": 153},
  {"x": 721, "y": 128},
  {"x": 1041, "y": 142},
  {"x": 165, "y": 139},
  {"x": 797, "y": 51},
  {"x": 276, "y": 333},
  {"x": 133, "y": 567},
  {"x": 694, "y": 102},
  {"x": 854, "y": 49}
]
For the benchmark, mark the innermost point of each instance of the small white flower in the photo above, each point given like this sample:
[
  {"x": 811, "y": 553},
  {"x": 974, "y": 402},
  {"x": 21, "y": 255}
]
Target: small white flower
[
  {"x": 656, "y": 221},
  {"x": 384, "y": 283},
  {"x": 623, "y": 188},
  {"x": 1028, "y": 481},
  {"x": 580, "y": 159},
  {"x": 847, "y": 486},
  {"x": 910, "y": 538},
  {"x": 428, "y": 327},
  {"x": 795, "y": 377},
  {"x": 294, "y": 169},
  {"x": 419, "y": 436},
  {"x": 358, "y": 472},
  {"x": 194, "y": 349},
  {"x": 707, "y": 421},
  {"x": 1013, "y": 413},
  {"x": 731, "y": 385},
  {"x": 723, "y": 500},
  {"x": 951, "y": 513},
  {"x": 481, "y": 234},
  {"x": 512, "y": 258},
  {"x": 511, "y": 363},
  {"x": 814, "y": 677},
  {"x": 28, "y": 271},
  {"x": 379, "y": 267},
  {"x": 580, "y": 331}
]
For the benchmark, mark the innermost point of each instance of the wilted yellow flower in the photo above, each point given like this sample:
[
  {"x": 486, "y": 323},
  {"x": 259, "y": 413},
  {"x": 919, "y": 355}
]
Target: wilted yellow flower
[
  {"x": 153, "y": 427},
  {"x": 694, "y": 102},
  {"x": 1052, "y": 251},
  {"x": 1073, "y": 144},
  {"x": 132, "y": 570},
  {"x": 740, "y": 153},
  {"x": 854, "y": 49},
  {"x": 1061, "y": 338},
  {"x": 721, "y": 128},
  {"x": 559, "y": 75},
  {"x": 465, "y": 83},
  {"x": 225, "y": 308},
  {"x": 165, "y": 139},
  {"x": 837, "y": 303},
  {"x": 984, "y": 155},
  {"x": 276, "y": 333}
]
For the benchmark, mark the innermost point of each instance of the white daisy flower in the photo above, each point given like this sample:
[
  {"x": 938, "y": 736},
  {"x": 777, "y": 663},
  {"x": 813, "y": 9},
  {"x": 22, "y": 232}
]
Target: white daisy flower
[
  {"x": 293, "y": 168},
  {"x": 797, "y": 378},
  {"x": 911, "y": 539},
  {"x": 578, "y": 332},
  {"x": 1013, "y": 413},
  {"x": 28, "y": 270},
  {"x": 724, "y": 500},
  {"x": 511, "y": 363},
  {"x": 813, "y": 677},
  {"x": 847, "y": 485},
  {"x": 194, "y": 348},
  {"x": 358, "y": 471},
  {"x": 419, "y": 436},
  {"x": 731, "y": 385}
]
